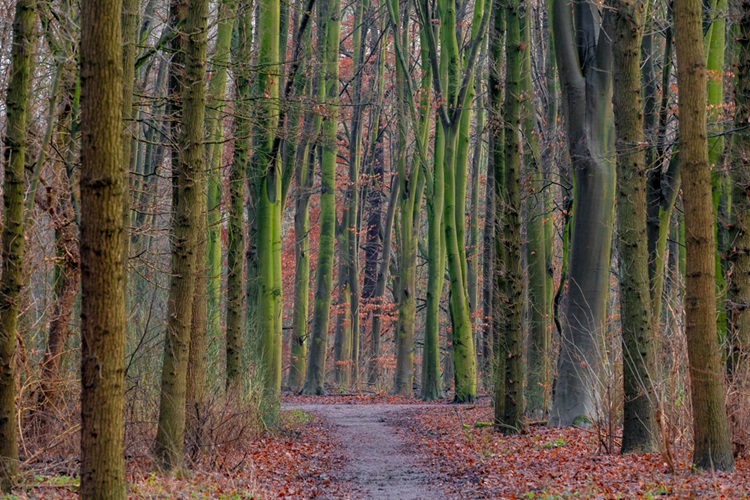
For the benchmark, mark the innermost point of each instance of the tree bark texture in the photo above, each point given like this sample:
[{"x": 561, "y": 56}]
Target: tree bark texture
[
  {"x": 103, "y": 187},
  {"x": 712, "y": 448},
  {"x": 638, "y": 341},
  {"x": 12, "y": 250},
  {"x": 187, "y": 104},
  {"x": 584, "y": 59}
]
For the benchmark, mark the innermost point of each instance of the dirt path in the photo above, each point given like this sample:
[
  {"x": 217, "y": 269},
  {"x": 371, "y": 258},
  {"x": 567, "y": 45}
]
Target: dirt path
[{"x": 379, "y": 464}]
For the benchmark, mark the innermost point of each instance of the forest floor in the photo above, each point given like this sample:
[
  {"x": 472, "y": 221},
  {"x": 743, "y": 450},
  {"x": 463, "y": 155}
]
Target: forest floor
[
  {"x": 388, "y": 447},
  {"x": 397, "y": 450}
]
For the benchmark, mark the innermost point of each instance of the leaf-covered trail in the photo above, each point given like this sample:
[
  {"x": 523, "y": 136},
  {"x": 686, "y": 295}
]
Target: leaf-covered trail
[{"x": 379, "y": 463}]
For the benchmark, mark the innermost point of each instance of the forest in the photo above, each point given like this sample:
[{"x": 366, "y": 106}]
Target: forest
[{"x": 375, "y": 248}]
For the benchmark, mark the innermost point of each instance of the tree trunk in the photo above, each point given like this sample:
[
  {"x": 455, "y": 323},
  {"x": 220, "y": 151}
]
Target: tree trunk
[
  {"x": 16, "y": 100},
  {"x": 464, "y": 358},
  {"x": 539, "y": 346},
  {"x": 235, "y": 216},
  {"x": 638, "y": 342},
  {"x": 497, "y": 165},
  {"x": 431, "y": 381},
  {"x": 510, "y": 278},
  {"x": 663, "y": 185},
  {"x": 584, "y": 58},
  {"x": 355, "y": 153},
  {"x": 303, "y": 157},
  {"x": 266, "y": 180},
  {"x": 714, "y": 42},
  {"x": 188, "y": 105},
  {"x": 379, "y": 295},
  {"x": 712, "y": 448},
  {"x": 330, "y": 24},
  {"x": 304, "y": 176},
  {"x": 342, "y": 345},
  {"x": 103, "y": 186},
  {"x": 67, "y": 280},
  {"x": 739, "y": 247},
  {"x": 215, "y": 153},
  {"x": 472, "y": 249},
  {"x": 410, "y": 193}
]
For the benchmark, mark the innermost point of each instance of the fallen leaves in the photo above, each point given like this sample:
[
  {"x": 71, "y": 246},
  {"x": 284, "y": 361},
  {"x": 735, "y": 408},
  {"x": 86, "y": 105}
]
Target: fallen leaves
[
  {"x": 299, "y": 460},
  {"x": 473, "y": 461}
]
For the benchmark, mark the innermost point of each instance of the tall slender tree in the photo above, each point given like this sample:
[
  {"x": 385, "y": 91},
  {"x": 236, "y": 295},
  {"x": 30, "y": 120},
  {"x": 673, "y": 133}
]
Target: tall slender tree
[
  {"x": 330, "y": 26},
  {"x": 103, "y": 186},
  {"x": 584, "y": 58},
  {"x": 497, "y": 164},
  {"x": 712, "y": 448},
  {"x": 215, "y": 106},
  {"x": 17, "y": 105},
  {"x": 411, "y": 189},
  {"x": 265, "y": 180},
  {"x": 301, "y": 153},
  {"x": 539, "y": 345},
  {"x": 510, "y": 279},
  {"x": 241, "y": 50},
  {"x": 638, "y": 342},
  {"x": 739, "y": 242},
  {"x": 187, "y": 105}
]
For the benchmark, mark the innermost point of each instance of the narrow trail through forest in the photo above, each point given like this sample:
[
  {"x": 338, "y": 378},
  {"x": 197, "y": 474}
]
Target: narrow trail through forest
[{"x": 379, "y": 463}]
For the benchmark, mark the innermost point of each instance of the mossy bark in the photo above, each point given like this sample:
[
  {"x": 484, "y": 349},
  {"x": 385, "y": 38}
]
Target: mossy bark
[
  {"x": 187, "y": 102},
  {"x": 330, "y": 22},
  {"x": 265, "y": 167},
  {"x": 638, "y": 341},
  {"x": 497, "y": 164},
  {"x": 739, "y": 247},
  {"x": 410, "y": 193},
  {"x": 235, "y": 217},
  {"x": 510, "y": 277},
  {"x": 539, "y": 345},
  {"x": 13, "y": 248},
  {"x": 300, "y": 152},
  {"x": 216, "y": 97}
]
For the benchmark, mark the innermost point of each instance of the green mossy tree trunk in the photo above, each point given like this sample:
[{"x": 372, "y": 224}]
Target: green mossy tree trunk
[
  {"x": 510, "y": 278},
  {"x": 410, "y": 192},
  {"x": 103, "y": 185},
  {"x": 17, "y": 104},
  {"x": 472, "y": 246},
  {"x": 431, "y": 380},
  {"x": 304, "y": 176},
  {"x": 714, "y": 43},
  {"x": 539, "y": 345},
  {"x": 352, "y": 195},
  {"x": 235, "y": 217},
  {"x": 302, "y": 154},
  {"x": 638, "y": 341},
  {"x": 739, "y": 247},
  {"x": 265, "y": 184},
  {"x": 215, "y": 103},
  {"x": 712, "y": 448},
  {"x": 330, "y": 26},
  {"x": 497, "y": 164},
  {"x": 464, "y": 357},
  {"x": 187, "y": 104}
]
